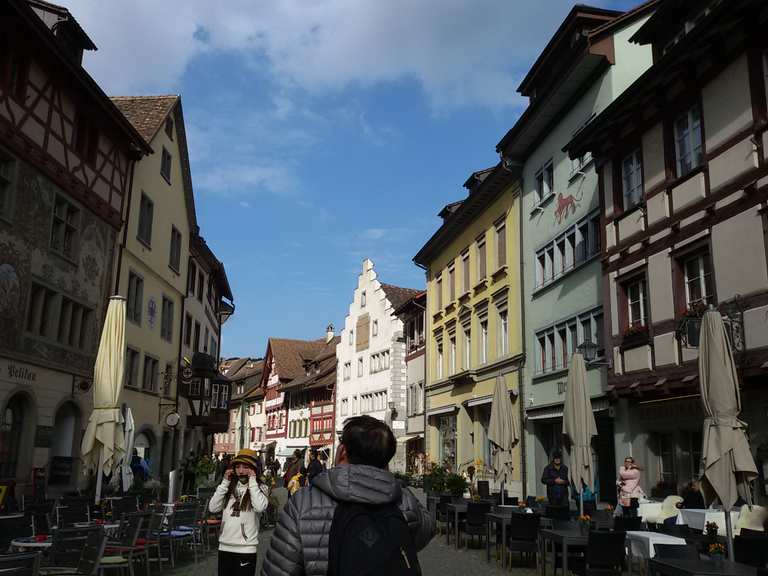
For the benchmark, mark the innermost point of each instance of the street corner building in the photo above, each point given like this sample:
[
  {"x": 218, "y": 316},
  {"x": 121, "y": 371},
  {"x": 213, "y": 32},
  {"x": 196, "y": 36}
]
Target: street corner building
[
  {"x": 373, "y": 359},
  {"x": 66, "y": 161},
  {"x": 474, "y": 325},
  {"x": 683, "y": 197}
]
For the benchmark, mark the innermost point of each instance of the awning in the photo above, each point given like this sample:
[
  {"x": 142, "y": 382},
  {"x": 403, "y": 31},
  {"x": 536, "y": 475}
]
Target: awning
[
  {"x": 442, "y": 410},
  {"x": 547, "y": 412},
  {"x": 479, "y": 401},
  {"x": 408, "y": 438}
]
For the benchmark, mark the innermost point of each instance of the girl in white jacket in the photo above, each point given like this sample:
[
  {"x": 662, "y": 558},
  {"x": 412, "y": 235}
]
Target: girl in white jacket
[{"x": 242, "y": 500}]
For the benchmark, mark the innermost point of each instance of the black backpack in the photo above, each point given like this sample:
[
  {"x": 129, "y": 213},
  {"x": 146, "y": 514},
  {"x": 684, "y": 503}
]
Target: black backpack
[{"x": 371, "y": 540}]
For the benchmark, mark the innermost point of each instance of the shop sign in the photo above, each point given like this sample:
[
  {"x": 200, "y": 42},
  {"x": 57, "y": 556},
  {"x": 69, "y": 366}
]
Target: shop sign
[
  {"x": 398, "y": 425},
  {"x": 15, "y": 372},
  {"x": 672, "y": 410}
]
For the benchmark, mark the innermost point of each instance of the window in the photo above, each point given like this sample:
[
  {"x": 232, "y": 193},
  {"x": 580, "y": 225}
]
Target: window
[
  {"x": 483, "y": 341},
  {"x": 439, "y": 292},
  {"x": 359, "y": 367},
  {"x": 85, "y": 138},
  {"x": 135, "y": 298},
  {"x": 439, "y": 359},
  {"x": 698, "y": 280},
  {"x": 146, "y": 210},
  {"x": 205, "y": 340},
  {"x": 467, "y": 347},
  {"x": 481, "y": 263},
  {"x": 224, "y": 397},
  {"x": 200, "y": 285},
  {"x": 149, "y": 377},
  {"x": 175, "y": 256},
  {"x": 167, "y": 379},
  {"x": 188, "y": 331},
  {"x": 131, "y": 378},
  {"x": 362, "y": 299},
  {"x": 632, "y": 180},
  {"x": 65, "y": 227},
  {"x": 451, "y": 282},
  {"x": 414, "y": 333},
  {"x": 555, "y": 344},
  {"x": 196, "y": 347},
  {"x": 166, "y": 320},
  {"x": 452, "y": 355},
  {"x": 689, "y": 151},
  {"x": 7, "y": 179},
  {"x": 578, "y": 244},
  {"x": 169, "y": 127},
  {"x": 344, "y": 406},
  {"x": 465, "y": 284},
  {"x": 375, "y": 328},
  {"x": 637, "y": 305},
  {"x": 351, "y": 337},
  {"x": 503, "y": 333},
  {"x": 165, "y": 165},
  {"x": 74, "y": 324},
  {"x": 544, "y": 182},
  {"x": 501, "y": 244},
  {"x": 347, "y": 370},
  {"x": 192, "y": 277}
]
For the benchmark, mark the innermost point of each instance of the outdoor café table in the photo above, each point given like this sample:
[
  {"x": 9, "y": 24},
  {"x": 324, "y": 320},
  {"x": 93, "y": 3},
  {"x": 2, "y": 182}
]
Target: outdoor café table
[
  {"x": 678, "y": 567},
  {"x": 641, "y": 544},
  {"x": 456, "y": 509},
  {"x": 696, "y": 519},
  {"x": 31, "y": 543},
  {"x": 505, "y": 519},
  {"x": 567, "y": 537}
]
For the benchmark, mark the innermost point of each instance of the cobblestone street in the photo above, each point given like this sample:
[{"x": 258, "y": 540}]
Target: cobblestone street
[{"x": 437, "y": 559}]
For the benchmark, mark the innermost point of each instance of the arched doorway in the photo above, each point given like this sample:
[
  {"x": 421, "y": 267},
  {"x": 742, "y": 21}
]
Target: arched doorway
[
  {"x": 65, "y": 445},
  {"x": 144, "y": 444},
  {"x": 17, "y": 423}
]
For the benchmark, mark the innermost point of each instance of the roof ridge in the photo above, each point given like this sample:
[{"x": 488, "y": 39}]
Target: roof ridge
[{"x": 144, "y": 96}]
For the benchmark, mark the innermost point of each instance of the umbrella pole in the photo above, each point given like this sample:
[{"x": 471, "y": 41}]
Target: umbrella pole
[
  {"x": 99, "y": 474},
  {"x": 581, "y": 499},
  {"x": 729, "y": 534}
]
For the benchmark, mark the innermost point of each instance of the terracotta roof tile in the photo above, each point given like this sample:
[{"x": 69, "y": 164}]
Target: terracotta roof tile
[
  {"x": 145, "y": 113},
  {"x": 289, "y": 355},
  {"x": 398, "y": 296}
]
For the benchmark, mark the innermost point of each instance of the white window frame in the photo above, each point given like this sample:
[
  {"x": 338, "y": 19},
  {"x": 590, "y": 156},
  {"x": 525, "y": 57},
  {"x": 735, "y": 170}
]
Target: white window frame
[
  {"x": 363, "y": 299},
  {"x": 483, "y": 340},
  {"x": 467, "y": 332},
  {"x": 452, "y": 354},
  {"x": 545, "y": 175},
  {"x": 503, "y": 332},
  {"x": 375, "y": 328},
  {"x": 701, "y": 260},
  {"x": 551, "y": 266},
  {"x": 632, "y": 180},
  {"x": 440, "y": 360},
  {"x": 360, "y": 367},
  {"x": 641, "y": 299},
  {"x": 686, "y": 144},
  {"x": 551, "y": 337}
]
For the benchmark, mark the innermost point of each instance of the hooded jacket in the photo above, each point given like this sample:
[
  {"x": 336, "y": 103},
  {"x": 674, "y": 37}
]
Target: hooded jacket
[
  {"x": 299, "y": 545},
  {"x": 239, "y": 534}
]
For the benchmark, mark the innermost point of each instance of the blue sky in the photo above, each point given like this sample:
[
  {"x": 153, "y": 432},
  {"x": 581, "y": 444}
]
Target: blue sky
[{"x": 322, "y": 132}]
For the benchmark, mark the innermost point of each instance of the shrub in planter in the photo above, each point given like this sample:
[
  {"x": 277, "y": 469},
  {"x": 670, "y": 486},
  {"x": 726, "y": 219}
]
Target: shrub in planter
[{"x": 455, "y": 484}]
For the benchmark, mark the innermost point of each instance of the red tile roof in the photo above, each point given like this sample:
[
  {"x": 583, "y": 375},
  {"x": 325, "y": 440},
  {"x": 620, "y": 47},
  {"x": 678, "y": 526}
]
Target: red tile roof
[
  {"x": 398, "y": 296},
  {"x": 290, "y": 355}
]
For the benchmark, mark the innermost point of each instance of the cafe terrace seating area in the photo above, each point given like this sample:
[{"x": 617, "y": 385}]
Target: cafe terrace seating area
[
  {"x": 659, "y": 540},
  {"x": 121, "y": 536}
]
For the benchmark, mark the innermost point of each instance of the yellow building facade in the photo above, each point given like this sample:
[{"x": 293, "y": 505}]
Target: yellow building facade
[
  {"x": 152, "y": 269},
  {"x": 474, "y": 327}
]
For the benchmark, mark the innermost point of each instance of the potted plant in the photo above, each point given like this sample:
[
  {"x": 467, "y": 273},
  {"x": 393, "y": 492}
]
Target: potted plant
[
  {"x": 584, "y": 522},
  {"x": 690, "y": 325},
  {"x": 434, "y": 480},
  {"x": 455, "y": 484},
  {"x": 711, "y": 528},
  {"x": 635, "y": 335},
  {"x": 716, "y": 551}
]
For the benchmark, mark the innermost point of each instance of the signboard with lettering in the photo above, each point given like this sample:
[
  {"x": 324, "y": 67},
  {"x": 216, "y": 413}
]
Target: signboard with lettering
[{"x": 20, "y": 373}]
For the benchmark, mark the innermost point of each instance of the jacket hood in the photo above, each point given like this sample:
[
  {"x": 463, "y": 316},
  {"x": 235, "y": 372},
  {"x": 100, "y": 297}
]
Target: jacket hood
[{"x": 359, "y": 483}]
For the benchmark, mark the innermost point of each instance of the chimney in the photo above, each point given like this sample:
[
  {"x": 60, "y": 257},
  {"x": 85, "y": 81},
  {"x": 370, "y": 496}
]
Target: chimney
[{"x": 329, "y": 333}]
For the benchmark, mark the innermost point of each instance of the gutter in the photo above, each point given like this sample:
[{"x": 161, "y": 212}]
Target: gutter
[{"x": 521, "y": 382}]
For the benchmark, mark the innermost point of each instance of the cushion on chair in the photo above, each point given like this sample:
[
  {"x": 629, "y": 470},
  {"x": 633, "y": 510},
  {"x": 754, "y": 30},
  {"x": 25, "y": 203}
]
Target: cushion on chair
[
  {"x": 112, "y": 560},
  {"x": 752, "y": 518}
]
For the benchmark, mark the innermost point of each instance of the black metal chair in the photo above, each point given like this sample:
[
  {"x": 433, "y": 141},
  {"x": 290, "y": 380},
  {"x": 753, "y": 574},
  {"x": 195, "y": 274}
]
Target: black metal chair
[
  {"x": 67, "y": 546},
  {"x": 72, "y": 513},
  {"x": 679, "y": 530},
  {"x": 523, "y": 536},
  {"x": 443, "y": 517},
  {"x": 605, "y": 555},
  {"x": 11, "y": 528},
  {"x": 484, "y": 488},
  {"x": 20, "y": 564},
  {"x": 676, "y": 552},
  {"x": 475, "y": 523},
  {"x": 751, "y": 550},
  {"x": 624, "y": 523},
  {"x": 749, "y": 533},
  {"x": 89, "y": 561}
]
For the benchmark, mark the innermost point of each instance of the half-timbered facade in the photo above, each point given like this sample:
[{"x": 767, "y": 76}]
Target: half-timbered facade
[
  {"x": 683, "y": 175},
  {"x": 66, "y": 161}
]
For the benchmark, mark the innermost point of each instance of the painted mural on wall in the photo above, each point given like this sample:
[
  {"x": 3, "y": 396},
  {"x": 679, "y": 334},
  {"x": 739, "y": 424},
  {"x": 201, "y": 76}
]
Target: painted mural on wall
[
  {"x": 25, "y": 256},
  {"x": 565, "y": 205}
]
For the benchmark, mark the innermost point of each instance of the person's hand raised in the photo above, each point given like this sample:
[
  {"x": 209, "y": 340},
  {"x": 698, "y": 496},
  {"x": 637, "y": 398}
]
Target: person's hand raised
[{"x": 228, "y": 474}]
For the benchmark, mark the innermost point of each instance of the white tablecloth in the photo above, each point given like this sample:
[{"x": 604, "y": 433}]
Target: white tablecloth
[
  {"x": 642, "y": 543},
  {"x": 697, "y": 519},
  {"x": 649, "y": 510}
]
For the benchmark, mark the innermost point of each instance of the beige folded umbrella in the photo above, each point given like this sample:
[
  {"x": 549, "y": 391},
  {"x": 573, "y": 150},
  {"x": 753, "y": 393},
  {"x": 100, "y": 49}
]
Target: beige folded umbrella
[
  {"x": 727, "y": 463},
  {"x": 579, "y": 427},
  {"x": 466, "y": 444},
  {"x": 103, "y": 446},
  {"x": 502, "y": 432}
]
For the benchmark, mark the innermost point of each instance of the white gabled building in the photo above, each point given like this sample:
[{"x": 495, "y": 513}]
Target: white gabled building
[{"x": 371, "y": 376}]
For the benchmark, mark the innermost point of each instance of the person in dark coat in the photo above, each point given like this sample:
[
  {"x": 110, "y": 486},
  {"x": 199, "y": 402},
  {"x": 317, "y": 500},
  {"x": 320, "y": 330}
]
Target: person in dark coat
[
  {"x": 299, "y": 544},
  {"x": 555, "y": 477},
  {"x": 315, "y": 466},
  {"x": 692, "y": 496}
]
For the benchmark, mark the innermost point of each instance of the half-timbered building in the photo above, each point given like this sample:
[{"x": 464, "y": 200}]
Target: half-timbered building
[{"x": 66, "y": 161}]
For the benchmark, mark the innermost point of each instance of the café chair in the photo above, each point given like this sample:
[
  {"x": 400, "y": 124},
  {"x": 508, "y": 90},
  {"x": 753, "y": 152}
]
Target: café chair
[{"x": 20, "y": 564}]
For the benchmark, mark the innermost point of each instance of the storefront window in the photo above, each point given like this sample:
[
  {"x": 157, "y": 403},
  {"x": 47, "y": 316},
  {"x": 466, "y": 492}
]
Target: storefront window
[{"x": 446, "y": 427}]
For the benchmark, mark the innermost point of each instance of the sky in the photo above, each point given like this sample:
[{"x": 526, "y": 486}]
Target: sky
[{"x": 323, "y": 132}]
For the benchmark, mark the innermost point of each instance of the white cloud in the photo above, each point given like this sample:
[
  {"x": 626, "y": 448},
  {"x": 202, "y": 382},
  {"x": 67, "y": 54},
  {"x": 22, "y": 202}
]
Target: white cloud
[
  {"x": 245, "y": 180},
  {"x": 460, "y": 52}
]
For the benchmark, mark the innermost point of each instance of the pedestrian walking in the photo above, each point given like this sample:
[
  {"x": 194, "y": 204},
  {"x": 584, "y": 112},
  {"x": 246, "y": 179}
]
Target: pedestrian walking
[
  {"x": 241, "y": 499},
  {"x": 190, "y": 473},
  {"x": 629, "y": 488},
  {"x": 355, "y": 518},
  {"x": 555, "y": 476},
  {"x": 315, "y": 466}
]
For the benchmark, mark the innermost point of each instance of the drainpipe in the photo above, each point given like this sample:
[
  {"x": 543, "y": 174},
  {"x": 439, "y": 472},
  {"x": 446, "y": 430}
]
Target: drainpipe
[
  {"x": 178, "y": 364},
  {"x": 426, "y": 363},
  {"x": 521, "y": 371}
]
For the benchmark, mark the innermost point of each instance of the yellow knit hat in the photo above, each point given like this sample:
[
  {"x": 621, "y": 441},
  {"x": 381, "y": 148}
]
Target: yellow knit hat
[{"x": 247, "y": 457}]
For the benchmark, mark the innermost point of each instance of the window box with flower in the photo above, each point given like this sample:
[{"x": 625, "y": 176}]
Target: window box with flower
[{"x": 635, "y": 336}]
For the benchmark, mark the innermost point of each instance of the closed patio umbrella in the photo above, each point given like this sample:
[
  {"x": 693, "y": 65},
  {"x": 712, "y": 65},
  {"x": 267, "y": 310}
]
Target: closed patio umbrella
[
  {"x": 130, "y": 431},
  {"x": 502, "y": 432},
  {"x": 579, "y": 427},
  {"x": 727, "y": 463},
  {"x": 466, "y": 451},
  {"x": 103, "y": 444}
]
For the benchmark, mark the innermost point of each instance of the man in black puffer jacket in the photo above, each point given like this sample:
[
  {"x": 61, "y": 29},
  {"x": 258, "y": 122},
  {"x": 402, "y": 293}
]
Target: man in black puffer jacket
[{"x": 299, "y": 545}]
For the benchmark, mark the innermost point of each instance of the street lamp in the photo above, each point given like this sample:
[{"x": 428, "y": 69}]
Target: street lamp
[{"x": 589, "y": 349}]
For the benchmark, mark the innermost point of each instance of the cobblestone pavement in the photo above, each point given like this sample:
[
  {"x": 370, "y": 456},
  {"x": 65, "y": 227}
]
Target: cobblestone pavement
[{"x": 437, "y": 559}]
